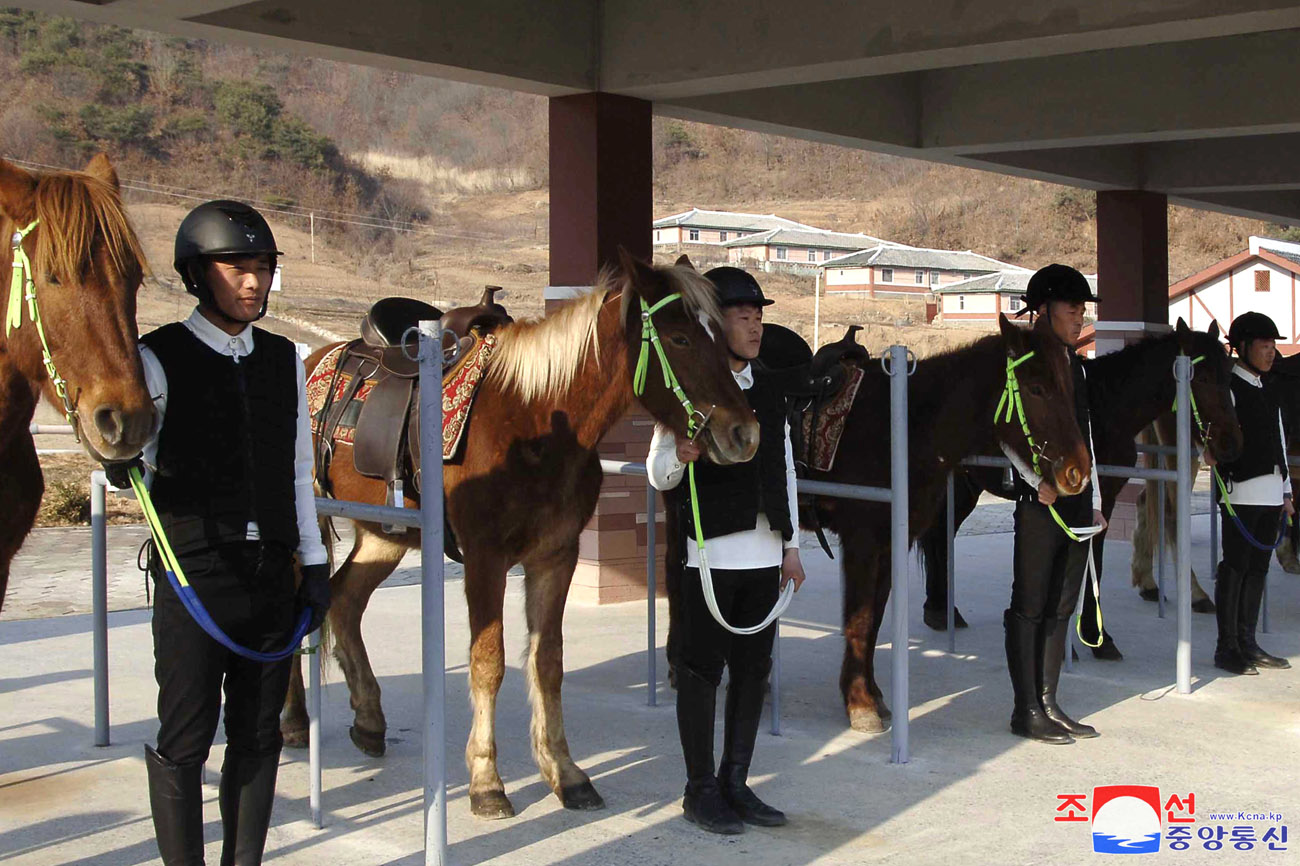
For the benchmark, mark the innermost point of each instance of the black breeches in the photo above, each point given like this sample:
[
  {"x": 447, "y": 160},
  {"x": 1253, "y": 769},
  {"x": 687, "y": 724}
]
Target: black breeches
[
  {"x": 1262, "y": 522},
  {"x": 1047, "y": 565},
  {"x": 745, "y": 597},
  {"x": 253, "y": 602}
]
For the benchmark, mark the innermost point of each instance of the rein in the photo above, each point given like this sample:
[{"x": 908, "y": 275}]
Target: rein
[
  {"x": 22, "y": 285},
  {"x": 190, "y": 599},
  {"x": 650, "y": 337}
]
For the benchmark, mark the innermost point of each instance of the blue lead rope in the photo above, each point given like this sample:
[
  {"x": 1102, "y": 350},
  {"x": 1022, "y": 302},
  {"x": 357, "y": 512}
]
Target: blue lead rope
[{"x": 190, "y": 599}]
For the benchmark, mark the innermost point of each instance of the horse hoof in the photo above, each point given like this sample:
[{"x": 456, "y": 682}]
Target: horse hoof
[
  {"x": 491, "y": 805},
  {"x": 1149, "y": 594},
  {"x": 369, "y": 742},
  {"x": 296, "y": 739},
  {"x": 867, "y": 722},
  {"x": 1203, "y": 605},
  {"x": 581, "y": 797},
  {"x": 1107, "y": 652}
]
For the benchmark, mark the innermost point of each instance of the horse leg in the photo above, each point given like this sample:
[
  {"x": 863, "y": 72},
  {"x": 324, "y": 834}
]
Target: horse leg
[
  {"x": 547, "y": 589},
  {"x": 294, "y": 723},
  {"x": 883, "y": 587},
  {"x": 861, "y": 573},
  {"x": 1140, "y": 566},
  {"x": 371, "y": 561},
  {"x": 485, "y": 589},
  {"x": 21, "y": 488}
]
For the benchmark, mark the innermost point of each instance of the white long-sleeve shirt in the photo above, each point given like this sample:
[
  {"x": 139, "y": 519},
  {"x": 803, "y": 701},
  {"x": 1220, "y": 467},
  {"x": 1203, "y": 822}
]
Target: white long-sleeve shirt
[
  {"x": 1262, "y": 489},
  {"x": 311, "y": 551},
  {"x": 1033, "y": 479},
  {"x": 760, "y": 547}
]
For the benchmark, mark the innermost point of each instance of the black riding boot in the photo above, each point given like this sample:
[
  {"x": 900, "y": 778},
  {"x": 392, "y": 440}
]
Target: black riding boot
[
  {"x": 1055, "y": 633},
  {"x": 1024, "y": 656},
  {"x": 176, "y": 800},
  {"x": 702, "y": 802},
  {"x": 1252, "y": 598},
  {"x": 744, "y": 711},
  {"x": 1227, "y": 602},
  {"x": 247, "y": 794}
]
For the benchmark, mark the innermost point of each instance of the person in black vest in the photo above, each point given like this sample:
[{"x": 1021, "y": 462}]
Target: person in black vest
[
  {"x": 748, "y": 514},
  {"x": 1048, "y": 566},
  {"x": 1259, "y": 493},
  {"x": 230, "y": 465}
]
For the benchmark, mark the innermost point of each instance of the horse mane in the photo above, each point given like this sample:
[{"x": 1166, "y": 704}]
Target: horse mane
[
  {"x": 75, "y": 209},
  {"x": 1111, "y": 374},
  {"x": 539, "y": 358}
]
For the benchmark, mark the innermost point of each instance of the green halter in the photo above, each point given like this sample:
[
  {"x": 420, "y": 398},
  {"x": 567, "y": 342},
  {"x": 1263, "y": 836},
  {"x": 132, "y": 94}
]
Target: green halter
[{"x": 22, "y": 284}]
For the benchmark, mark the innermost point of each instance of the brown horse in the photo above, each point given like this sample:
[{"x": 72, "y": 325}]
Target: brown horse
[
  {"x": 87, "y": 266},
  {"x": 526, "y": 486},
  {"x": 951, "y": 402}
]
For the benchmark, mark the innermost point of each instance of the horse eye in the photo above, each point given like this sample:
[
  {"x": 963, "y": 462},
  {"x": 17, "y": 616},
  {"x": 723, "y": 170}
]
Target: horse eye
[
  {"x": 1036, "y": 391},
  {"x": 679, "y": 340},
  {"x": 51, "y": 279}
]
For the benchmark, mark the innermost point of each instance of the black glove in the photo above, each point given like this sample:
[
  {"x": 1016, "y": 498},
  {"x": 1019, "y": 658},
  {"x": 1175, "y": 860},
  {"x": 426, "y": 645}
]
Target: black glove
[
  {"x": 118, "y": 472},
  {"x": 314, "y": 592}
]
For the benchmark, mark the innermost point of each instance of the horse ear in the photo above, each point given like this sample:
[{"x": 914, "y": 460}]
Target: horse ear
[
  {"x": 16, "y": 190},
  {"x": 1213, "y": 330},
  {"x": 639, "y": 274},
  {"x": 1012, "y": 336},
  {"x": 684, "y": 261},
  {"x": 99, "y": 167}
]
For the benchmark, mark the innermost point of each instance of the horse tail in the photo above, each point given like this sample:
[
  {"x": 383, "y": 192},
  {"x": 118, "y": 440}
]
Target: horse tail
[{"x": 328, "y": 535}]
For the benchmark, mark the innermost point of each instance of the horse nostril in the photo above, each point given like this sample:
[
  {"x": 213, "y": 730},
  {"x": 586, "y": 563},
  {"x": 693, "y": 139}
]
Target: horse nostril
[
  {"x": 1073, "y": 476},
  {"x": 108, "y": 421}
]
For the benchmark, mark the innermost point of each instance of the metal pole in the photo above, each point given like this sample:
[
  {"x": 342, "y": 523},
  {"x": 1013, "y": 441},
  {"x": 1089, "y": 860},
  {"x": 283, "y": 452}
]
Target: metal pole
[
  {"x": 817, "y": 313},
  {"x": 431, "y": 596},
  {"x": 313, "y": 237},
  {"x": 1183, "y": 377},
  {"x": 99, "y": 601},
  {"x": 1160, "y": 549},
  {"x": 651, "y": 677},
  {"x": 776, "y": 680},
  {"x": 952, "y": 567},
  {"x": 314, "y": 661},
  {"x": 898, "y": 509}
]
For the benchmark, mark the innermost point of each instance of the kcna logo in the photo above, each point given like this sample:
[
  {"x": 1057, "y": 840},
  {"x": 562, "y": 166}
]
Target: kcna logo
[{"x": 1126, "y": 819}]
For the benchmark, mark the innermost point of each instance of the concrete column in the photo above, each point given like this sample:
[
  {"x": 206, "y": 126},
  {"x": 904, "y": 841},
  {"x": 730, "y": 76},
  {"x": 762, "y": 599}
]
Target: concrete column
[
  {"x": 1133, "y": 288},
  {"x": 602, "y": 172}
]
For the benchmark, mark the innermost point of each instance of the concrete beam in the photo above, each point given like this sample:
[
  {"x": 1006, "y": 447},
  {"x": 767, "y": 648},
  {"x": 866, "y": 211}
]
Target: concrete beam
[
  {"x": 672, "y": 50},
  {"x": 1279, "y": 206},
  {"x": 1212, "y": 87}
]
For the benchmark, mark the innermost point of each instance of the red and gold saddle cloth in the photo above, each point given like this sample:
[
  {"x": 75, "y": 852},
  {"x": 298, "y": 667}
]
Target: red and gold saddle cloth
[
  {"x": 822, "y": 429},
  {"x": 459, "y": 385}
]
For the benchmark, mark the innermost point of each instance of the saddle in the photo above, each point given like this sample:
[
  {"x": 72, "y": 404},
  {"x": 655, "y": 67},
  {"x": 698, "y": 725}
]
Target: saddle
[
  {"x": 365, "y": 392},
  {"x": 820, "y": 389}
]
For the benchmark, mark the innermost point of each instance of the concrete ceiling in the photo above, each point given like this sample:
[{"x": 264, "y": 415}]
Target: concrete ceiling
[{"x": 1194, "y": 98}]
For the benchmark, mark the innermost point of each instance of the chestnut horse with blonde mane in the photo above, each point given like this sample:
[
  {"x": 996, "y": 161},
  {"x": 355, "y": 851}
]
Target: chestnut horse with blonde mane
[
  {"x": 86, "y": 266},
  {"x": 526, "y": 485}
]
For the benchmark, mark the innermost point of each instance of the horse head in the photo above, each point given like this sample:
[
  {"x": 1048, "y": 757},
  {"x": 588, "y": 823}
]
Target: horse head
[
  {"x": 1215, "y": 420},
  {"x": 689, "y": 332},
  {"x": 1046, "y": 432},
  {"x": 71, "y": 327}
]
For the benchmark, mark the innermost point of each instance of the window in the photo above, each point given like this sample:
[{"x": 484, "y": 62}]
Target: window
[
  {"x": 1016, "y": 304},
  {"x": 961, "y": 302},
  {"x": 780, "y": 252},
  {"x": 920, "y": 278},
  {"x": 812, "y": 255},
  {"x": 656, "y": 235},
  {"x": 694, "y": 234},
  {"x": 886, "y": 275},
  {"x": 934, "y": 278},
  {"x": 722, "y": 236},
  {"x": 826, "y": 255},
  {"x": 1263, "y": 280}
]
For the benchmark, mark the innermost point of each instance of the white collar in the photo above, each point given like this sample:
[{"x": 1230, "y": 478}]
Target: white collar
[
  {"x": 745, "y": 377},
  {"x": 218, "y": 340},
  {"x": 1239, "y": 369}
]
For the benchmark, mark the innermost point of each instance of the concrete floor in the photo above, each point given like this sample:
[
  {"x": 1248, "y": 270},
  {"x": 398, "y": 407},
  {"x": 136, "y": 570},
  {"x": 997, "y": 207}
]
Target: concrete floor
[{"x": 972, "y": 791}]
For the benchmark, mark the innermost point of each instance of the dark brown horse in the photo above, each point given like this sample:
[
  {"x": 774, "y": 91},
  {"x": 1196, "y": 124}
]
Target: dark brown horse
[
  {"x": 951, "y": 402},
  {"x": 86, "y": 267},
  {"x": 527, "y": 484},
  {"x": 1128, "y": 389}
]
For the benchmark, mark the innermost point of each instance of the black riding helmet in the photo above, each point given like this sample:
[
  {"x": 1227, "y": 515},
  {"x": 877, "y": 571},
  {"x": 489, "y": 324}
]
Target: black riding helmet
[
  {"x": 1251, "y": 326},
  {"x": 1056, "y": 283},
  {"x": 736, "y": 287},
  {"x": 219, "y": 228}
]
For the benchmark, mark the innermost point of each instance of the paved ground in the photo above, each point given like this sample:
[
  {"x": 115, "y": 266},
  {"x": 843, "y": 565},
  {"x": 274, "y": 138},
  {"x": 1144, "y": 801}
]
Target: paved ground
[{"x": 971, "y": 792}]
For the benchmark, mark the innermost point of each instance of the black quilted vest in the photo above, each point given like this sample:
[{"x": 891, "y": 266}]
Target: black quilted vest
[
  {"x": 1261, "y": 449},
  {"x": 226, "y": 448}
]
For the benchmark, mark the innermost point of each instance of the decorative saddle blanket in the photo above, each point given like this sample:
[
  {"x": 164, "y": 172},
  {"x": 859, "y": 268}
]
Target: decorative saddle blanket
[{"x": 822, "y": 426}]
